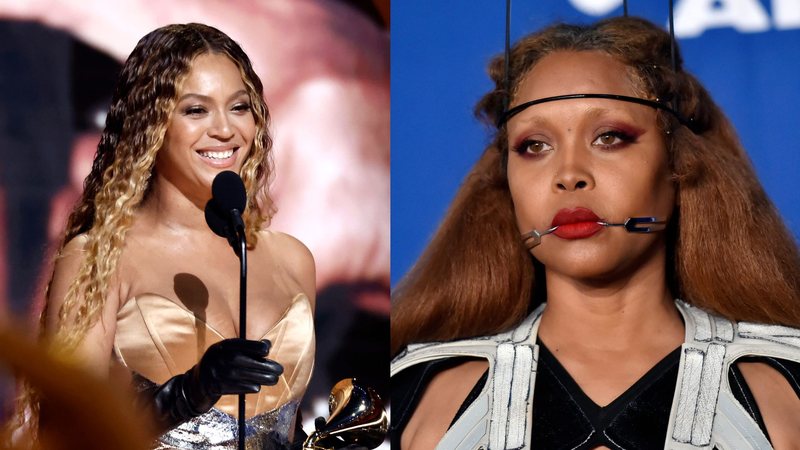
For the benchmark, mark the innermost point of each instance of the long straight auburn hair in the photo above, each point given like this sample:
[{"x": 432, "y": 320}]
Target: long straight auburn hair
[{"x": 728, "y": 250}]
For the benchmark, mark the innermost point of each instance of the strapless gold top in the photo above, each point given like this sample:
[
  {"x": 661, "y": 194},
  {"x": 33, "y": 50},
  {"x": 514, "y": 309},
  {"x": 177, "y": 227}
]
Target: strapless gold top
[{"x": 157, "y": 338}]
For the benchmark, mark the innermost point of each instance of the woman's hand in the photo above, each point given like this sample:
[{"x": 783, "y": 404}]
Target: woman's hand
[
  {"x": 231, "y": 366},
  {"x": 235, "y": 366}
]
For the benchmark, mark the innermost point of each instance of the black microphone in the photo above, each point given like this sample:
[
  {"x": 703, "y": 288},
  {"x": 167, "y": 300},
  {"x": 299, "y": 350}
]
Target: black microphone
[{"x": 224, "y": 211}]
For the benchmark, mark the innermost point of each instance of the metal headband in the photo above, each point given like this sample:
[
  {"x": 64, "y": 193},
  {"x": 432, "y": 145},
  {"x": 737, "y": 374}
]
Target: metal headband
[{"x": 508, "y": 114}]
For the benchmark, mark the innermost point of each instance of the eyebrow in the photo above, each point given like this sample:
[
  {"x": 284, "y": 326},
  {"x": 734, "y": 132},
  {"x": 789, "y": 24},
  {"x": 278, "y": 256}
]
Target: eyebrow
[
  {"x": 207, "y": 98},
  {"x": 590, "y": 113}
]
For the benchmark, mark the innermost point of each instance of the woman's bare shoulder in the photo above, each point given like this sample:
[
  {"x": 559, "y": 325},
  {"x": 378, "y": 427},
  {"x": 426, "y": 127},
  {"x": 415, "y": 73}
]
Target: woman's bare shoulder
[
  {"x": 287, "y": 249},
  {"x": 66, "y": 265},
  {"x": 439, "y": 404},
  {"x": 74, "y": 247},
  {"x": 777, "y": 401},
  {"x": 288, "y": 252},
  {"x": 94, "y": 348}
]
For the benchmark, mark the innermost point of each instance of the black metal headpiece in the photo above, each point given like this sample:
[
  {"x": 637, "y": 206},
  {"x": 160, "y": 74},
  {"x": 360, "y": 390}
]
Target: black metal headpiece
[{"x": 671, "y": 108}]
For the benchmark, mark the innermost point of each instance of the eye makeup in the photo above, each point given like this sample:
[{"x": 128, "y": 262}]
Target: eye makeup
[{"x": 610, "y": 130}]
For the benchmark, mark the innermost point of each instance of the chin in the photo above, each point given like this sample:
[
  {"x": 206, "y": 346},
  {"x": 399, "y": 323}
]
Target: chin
[
  {"x": 207, "y": 178},
  {"x": 592, "y": 272},
  {"x": 600, "y": 264},
  {"x": 585, "y": 262}
]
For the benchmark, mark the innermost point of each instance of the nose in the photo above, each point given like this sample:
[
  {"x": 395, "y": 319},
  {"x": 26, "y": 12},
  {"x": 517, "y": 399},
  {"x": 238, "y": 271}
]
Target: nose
[
  {"x": 221, "y": 127},
  {"x": 574, "y": 171}
]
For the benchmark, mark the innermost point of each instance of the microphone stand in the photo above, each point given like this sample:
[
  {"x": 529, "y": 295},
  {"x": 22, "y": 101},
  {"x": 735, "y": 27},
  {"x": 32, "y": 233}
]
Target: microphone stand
[{"x": 242, "y": 254}]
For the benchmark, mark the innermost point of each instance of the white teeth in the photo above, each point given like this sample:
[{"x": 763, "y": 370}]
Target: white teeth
[{"x": 217, "y": 155}]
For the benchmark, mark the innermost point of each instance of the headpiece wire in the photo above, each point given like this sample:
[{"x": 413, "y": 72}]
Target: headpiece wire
[
  {"x": 507, "y": 56},
  {"x": 508, "y": 113},
  {"x": 672, "y": 58}
]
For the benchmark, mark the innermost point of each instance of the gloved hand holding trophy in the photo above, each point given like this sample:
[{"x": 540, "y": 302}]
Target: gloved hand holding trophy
[{"x": 357, "y": 418}]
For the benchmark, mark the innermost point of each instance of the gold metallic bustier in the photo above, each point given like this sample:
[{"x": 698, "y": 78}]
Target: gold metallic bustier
[{"x": 157, "y": 339}]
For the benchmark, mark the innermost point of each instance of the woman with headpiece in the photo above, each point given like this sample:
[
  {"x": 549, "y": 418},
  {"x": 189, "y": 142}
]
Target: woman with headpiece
[
  {"x": 603, "y": 278},
  {"x": 143, "y": 291}
]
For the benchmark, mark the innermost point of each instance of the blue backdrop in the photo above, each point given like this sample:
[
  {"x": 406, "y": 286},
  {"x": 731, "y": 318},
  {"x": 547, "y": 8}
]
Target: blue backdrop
[{"x": 746, "y": 52}]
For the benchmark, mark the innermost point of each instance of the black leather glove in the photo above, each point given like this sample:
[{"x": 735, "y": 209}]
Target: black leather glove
[{"x": 231, "y": 366}]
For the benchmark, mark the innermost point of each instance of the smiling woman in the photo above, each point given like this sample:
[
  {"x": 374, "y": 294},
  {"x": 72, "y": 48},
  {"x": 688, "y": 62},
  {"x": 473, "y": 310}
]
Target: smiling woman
[
  {"x": 143, "y": 292},
  {"x": 646, "y": 309},
  {"x": 211, "y": 129}
]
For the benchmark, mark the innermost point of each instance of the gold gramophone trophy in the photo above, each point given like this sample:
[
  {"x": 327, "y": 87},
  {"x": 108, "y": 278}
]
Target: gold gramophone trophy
[{"x": 356, "y": 417}]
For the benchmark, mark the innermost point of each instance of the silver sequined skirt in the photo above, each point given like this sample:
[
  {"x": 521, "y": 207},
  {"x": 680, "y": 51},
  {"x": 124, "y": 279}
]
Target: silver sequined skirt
[{"x": 216, "y": 430}]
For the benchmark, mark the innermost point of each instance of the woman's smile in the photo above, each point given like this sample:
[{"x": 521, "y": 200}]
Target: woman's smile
[{"x": 220, "y": 158}]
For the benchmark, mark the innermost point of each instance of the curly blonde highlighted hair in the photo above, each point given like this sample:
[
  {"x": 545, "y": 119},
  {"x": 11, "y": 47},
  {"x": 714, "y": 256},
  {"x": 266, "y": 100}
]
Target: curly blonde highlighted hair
[
  {"x": 120, "y": 179},
  {"x": 125, "y": 160},
  {"x": 720, "y": 257}
]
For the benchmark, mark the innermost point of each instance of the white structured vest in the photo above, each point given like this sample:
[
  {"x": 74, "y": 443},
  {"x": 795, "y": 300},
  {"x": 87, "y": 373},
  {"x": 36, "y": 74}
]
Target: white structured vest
[{"x": 704, "y": 415}]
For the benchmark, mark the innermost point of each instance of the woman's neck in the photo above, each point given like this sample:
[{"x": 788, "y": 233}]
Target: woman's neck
[
  {"x": 167, "y": 206},
  {"x": 630, "y": 312}
]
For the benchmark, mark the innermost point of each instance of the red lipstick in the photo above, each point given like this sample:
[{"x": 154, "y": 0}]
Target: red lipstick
[{"x": 576, "y": 223}]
